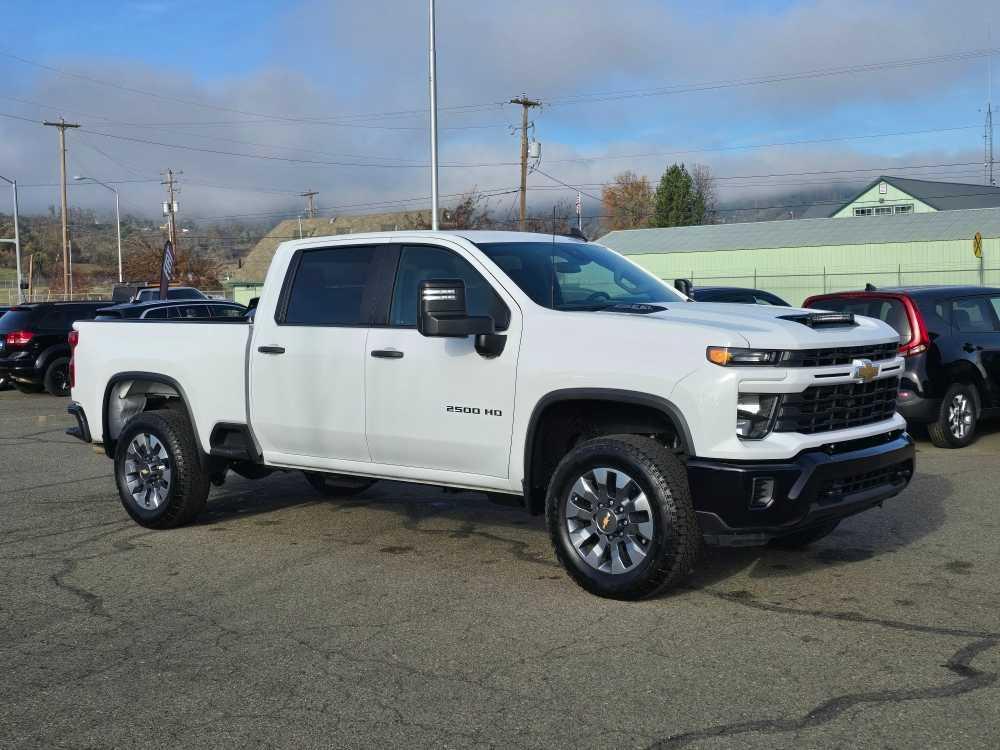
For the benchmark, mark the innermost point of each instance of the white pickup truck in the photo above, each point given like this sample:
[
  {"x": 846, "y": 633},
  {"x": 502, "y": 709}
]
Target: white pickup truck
[{"x": 640, "y": 422}]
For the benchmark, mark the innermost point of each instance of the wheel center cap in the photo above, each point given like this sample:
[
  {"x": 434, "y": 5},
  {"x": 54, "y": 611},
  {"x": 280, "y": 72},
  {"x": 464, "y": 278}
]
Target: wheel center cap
[{"x": 607, "y": 522}]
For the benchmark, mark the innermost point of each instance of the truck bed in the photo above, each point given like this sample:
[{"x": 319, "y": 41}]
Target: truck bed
[{"x": 205, "y": 358}]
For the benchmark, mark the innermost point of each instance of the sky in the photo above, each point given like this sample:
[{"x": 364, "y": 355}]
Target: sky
[{"x": 257, "y": 101}]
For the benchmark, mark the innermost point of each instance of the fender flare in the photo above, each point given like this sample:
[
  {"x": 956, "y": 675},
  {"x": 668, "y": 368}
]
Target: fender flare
[
  {"x": 49, "y": 355},
  {"x": 636, "y": 398}
]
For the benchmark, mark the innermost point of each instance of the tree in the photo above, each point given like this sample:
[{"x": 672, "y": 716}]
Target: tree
[
  {"x": 471, "y": 212},
  {"x": 677, "y": 202},
  {"x": 704, "y": 185},
  {"x": 143, "y": 257},
  {"x": 627, "y": 203}
]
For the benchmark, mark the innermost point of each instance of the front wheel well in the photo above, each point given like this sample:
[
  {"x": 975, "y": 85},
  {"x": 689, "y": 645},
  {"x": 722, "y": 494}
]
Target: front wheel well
[{"x": 559, "y": 426}]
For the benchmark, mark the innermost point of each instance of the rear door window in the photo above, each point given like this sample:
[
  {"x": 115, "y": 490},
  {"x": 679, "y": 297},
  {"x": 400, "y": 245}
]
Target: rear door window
[
  {"x": 223, "y": 311},
  {"x": 973, "y": 315},
  {"x": 193, "y": 311},
  {"x": 331, "y": 287},
  {"x": 160, "y": 313}
]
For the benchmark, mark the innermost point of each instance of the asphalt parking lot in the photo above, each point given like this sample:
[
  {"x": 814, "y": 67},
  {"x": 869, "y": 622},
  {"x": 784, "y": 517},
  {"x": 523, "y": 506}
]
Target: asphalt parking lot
[{"x": 408, "y": 617}]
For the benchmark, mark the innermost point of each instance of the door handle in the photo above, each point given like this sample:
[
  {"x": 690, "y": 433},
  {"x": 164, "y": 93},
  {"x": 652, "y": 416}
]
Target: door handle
[
  {"x": 387, "y": 354},
  {"x": 271, "y": 349}
]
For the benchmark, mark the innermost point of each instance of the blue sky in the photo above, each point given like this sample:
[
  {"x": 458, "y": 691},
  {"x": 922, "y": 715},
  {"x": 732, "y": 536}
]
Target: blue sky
[{"x": 216, "y": 67}]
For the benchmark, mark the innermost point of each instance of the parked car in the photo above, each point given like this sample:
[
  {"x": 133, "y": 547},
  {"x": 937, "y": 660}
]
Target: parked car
[
  {"x": 173, "y": 309},
  {"x": 950, "y": 339},
  {"x": 145, "y": 292},
  {"x": 643, "y": 423},
  {"x": 736, "y": 294},
  {"x": 34, "y": 351}
]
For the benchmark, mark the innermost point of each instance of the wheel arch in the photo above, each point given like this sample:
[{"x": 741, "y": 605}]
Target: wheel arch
[
  {"x": 49, "y": 355},
  {"x": 642, "y": 411},
  {"x": 141, "y": 387}
]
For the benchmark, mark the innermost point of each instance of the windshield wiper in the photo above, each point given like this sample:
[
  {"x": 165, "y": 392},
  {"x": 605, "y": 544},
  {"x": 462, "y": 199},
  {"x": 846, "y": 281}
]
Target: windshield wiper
[{"x": 635, "y": 308}]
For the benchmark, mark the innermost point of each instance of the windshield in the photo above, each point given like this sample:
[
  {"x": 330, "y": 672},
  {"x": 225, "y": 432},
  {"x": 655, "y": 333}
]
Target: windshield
[{"x": 576, "y": 276}]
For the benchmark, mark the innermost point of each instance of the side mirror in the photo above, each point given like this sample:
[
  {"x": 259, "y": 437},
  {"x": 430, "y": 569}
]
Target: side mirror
[
  {"x": 252, "y": 304},
  {"x": 442, "y": 311},
  {"x": 684, "y": 286}
]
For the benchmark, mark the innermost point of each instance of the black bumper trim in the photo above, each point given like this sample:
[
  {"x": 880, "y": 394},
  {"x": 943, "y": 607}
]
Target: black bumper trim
[
  {"x": 814, "y": 487},
  {"x": 82, "y": 429}
]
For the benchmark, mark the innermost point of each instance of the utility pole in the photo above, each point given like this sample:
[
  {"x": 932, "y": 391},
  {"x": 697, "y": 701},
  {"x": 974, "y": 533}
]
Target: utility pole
[
  {"x": 526, "y": 104},
  {"x": 988, "y": 135},
  {"x": 67, "y": 269},
  {"x": 310, "y": 196},
  {"x": 170, "y": 205}
]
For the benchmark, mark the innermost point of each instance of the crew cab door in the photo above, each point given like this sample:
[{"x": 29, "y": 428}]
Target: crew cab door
[
  {"x": 436, "y": 403},
  {"x": 307, "y": 360}
]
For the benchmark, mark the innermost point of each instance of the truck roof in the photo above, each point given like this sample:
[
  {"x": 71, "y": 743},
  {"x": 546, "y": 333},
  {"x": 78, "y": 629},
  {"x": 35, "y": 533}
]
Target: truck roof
[{"x": 473, "y": 235}]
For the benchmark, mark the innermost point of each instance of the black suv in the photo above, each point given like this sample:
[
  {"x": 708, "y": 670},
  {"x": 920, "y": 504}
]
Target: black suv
[
  {"x": 950, "y": 337},
  {"x": 34, "y": 346},
  {"x": 736, "y": 294}
]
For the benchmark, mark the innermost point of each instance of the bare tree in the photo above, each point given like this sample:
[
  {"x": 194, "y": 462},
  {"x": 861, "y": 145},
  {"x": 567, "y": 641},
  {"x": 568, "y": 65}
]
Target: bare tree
[
  {"x": 628, "y": 202},
  {"x": 704, "y": 185}
]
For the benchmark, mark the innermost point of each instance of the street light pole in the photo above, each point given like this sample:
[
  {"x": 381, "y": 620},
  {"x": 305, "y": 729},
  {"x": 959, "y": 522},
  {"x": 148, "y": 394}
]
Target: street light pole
[
  {"x": 118, "y": 220},
  {"x": 434, "y": 125},
  {"x": 17, "y": 239}
]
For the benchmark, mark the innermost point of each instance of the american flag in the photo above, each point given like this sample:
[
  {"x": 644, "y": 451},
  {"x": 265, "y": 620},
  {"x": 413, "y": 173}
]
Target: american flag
[{"x": 168, "y": 268}]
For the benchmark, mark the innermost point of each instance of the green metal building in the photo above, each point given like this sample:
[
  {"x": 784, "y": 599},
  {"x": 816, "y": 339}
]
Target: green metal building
[{"x": 800, "y": 257}]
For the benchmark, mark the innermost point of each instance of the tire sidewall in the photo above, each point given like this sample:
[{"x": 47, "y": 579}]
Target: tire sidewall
[
  {"x": 156, "y": 427},
  {"x": 662, "y": 502},
  {"x": 52, "y": 386}
]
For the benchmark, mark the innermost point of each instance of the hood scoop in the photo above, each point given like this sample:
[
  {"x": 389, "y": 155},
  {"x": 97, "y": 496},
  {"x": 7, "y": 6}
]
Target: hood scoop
[
  {"x": 823, "y": 320},
  {"x": 637, "y": 308}
]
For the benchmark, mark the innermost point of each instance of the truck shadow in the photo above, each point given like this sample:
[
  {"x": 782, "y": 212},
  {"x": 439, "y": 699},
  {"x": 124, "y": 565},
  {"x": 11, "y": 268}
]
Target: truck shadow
[{"x": 431, "y": 512}]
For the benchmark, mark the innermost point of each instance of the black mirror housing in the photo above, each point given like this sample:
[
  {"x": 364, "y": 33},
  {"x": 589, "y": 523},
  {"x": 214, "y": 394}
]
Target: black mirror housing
[
  {"x": 442, "y": 311},
  {"x": 684, "y": 286}
]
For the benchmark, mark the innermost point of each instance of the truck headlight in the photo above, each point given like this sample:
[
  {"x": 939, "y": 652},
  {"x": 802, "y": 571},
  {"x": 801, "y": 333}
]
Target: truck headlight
[
  {"x": 727, "y": 356},
  {"x": 755, "y": 415}
]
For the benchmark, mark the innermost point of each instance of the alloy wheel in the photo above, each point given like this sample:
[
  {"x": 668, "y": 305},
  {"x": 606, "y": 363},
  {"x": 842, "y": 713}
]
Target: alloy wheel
[
  {"x": 609, "y": 520},
  {"x": 960, "y": 416},
  {"x": 147, "y": 471}
]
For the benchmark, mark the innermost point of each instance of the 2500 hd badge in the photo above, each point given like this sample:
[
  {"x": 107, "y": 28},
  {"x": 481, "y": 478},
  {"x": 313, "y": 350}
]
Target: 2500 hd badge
[{"x": 474, "y": 410}]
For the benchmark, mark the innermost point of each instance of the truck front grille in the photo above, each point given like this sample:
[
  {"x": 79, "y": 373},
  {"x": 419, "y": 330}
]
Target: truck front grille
[
  {"x": 824, "y": 408},
  {"x": 843, "y": 355}
]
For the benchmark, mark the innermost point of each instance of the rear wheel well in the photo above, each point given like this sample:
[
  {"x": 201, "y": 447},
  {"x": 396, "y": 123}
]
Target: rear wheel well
[
  {"x": 127, "y": 397},
  {"x": 562, "y": 425}
]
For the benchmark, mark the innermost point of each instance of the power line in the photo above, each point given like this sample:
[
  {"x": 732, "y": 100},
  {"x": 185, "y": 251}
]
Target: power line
[
  {"x": 776, "y": 78},
  {"x": 231, "y": 110}
]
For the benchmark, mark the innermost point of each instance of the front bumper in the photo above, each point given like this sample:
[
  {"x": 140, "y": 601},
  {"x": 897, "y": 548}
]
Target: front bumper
[
  {"x": 917, "y": 409},
  {"x": 815, "y": 487}
]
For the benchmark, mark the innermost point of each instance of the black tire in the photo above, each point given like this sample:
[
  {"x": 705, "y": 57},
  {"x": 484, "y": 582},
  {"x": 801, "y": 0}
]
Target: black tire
[
  {"x": 805, "y": 537},
  {"x": 671, "y": 552},
  {"x": 189, "y": 482},
  {"x": 27, "y": 387},
  {"x": 56, "y": 379},
  {"x": 947, "y": 431},
  {"x": 337, "y": 485}
]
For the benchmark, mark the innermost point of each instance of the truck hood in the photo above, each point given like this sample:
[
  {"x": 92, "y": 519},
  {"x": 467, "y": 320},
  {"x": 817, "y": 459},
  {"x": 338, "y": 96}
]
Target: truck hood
[{"x": 764, "y": 326}]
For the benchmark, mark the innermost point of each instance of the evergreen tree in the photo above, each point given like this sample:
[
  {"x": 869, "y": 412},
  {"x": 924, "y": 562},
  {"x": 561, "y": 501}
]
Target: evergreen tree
[{"x": 677, "y": 202}]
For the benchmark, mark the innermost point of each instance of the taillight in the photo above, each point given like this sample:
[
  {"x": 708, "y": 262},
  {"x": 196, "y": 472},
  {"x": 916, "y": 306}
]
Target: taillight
[
  {"x": 919, "y": 338},
  {"x": 18, "y": 338},
  {"x": 74, "y": 339}
]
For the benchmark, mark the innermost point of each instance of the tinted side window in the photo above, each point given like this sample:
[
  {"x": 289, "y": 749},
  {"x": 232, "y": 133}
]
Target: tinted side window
[
  {"x": 973, "y": 315},
  {"x": 193, "y": 311},
  {"x": 161, "y": 313},
  {"x": 329, "y": 287},
  {"x": 996, "y": 306},
  {"x": 419, "y": 263},
  {"x": 220, "y": 311}
]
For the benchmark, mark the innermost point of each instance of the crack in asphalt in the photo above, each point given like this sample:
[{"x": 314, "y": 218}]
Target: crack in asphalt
[
  {"x": 93, "y": 602},
  {"x": 960, "y": 663}
]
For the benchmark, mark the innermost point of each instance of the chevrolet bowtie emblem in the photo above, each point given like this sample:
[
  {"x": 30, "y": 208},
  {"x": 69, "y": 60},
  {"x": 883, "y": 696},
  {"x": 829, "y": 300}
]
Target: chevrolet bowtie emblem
[
  {"x": 865, "y": 370},
  {"x": 605, "y": 520}
]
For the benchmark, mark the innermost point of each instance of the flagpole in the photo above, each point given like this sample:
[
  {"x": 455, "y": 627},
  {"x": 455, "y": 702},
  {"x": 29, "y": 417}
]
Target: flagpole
[{"x": 434, "y": 126}]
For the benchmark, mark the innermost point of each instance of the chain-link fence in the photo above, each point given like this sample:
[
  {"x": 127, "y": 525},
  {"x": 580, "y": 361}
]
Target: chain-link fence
[
  {"x": 796, "y": 285},
  {"x": 9, "y": 296}
]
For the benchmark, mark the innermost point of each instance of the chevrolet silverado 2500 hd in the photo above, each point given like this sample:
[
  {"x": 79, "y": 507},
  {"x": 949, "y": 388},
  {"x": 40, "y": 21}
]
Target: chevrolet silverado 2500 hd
[{"x": 640, "y": 422}]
